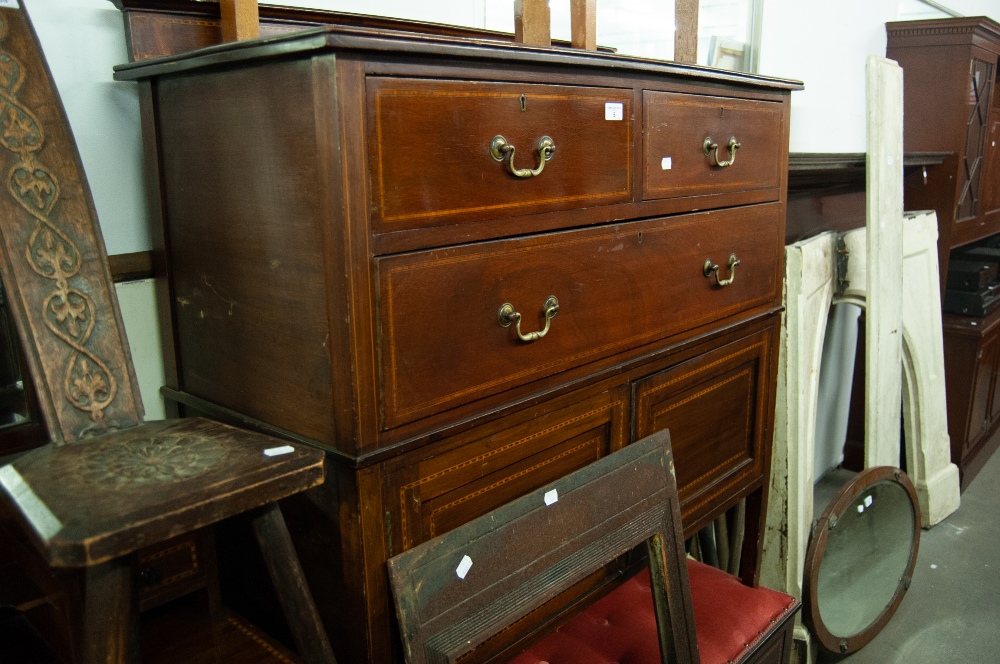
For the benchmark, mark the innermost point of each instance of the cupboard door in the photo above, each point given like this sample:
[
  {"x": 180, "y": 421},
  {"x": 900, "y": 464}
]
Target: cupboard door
[
  {"x": 991, "y": 169},
  {"x": 715, "y": 406},
  {"x": 983, "y": 406},
  {"x": 443, "y": 485},
  {"x": 980, "y": 88}
]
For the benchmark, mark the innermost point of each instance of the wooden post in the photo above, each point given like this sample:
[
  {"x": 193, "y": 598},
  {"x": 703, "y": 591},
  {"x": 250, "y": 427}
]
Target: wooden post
[
  {"x": 240, "y": 19},
  {"x": 883, "y": 335},
  {"x": 532, "y": 25},
  {"x": 583, "y": 24},
  {"x": 686, "y": 35}
]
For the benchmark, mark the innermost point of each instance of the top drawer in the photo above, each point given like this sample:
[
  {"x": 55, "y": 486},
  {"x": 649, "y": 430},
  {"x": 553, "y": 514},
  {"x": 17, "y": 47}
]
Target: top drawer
[
  {"x": 679, "y": 163},
  {"x": 431, "y": 161}
]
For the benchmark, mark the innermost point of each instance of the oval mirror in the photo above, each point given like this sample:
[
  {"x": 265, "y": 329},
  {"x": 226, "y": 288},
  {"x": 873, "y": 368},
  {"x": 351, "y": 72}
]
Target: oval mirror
[{"x": 860, "y": 558}]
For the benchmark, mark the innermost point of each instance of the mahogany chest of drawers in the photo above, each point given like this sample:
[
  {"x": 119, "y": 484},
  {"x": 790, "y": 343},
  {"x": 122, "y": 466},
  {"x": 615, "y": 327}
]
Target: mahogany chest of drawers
[{"x": 465, "y": 269}]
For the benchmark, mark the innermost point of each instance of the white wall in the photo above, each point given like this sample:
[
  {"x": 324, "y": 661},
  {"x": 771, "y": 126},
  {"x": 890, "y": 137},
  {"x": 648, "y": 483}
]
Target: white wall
[{"x": 823, "y": 44}]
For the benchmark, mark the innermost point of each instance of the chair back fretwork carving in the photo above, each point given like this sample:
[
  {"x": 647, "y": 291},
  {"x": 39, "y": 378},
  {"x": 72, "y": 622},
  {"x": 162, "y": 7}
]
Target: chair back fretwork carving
[{"x": 52, "y": 258}]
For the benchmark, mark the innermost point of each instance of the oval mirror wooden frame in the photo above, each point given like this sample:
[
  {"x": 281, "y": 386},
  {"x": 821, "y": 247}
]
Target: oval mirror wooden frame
[{"x": 843, "y": 500}]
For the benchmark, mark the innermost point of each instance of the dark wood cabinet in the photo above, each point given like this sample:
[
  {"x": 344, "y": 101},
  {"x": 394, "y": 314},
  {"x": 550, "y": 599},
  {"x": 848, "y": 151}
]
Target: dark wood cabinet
[
  {"x": 952, "y": 103},
  {"x": 972, "y": 369},
  {"x": 355, "y": 260}
]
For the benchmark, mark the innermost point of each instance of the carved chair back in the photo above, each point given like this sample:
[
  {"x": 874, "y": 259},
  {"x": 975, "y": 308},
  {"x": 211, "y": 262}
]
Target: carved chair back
[{"x": 53, "y": 263}]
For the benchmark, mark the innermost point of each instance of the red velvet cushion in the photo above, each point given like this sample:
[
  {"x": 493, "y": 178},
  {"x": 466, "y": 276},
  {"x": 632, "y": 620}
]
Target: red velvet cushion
[{"x": 620, "y": 628}]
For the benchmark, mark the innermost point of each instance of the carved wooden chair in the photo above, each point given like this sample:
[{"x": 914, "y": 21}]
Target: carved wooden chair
[
  {"x": 455, "y": 592},
  {"x": 108, "y": 484}
]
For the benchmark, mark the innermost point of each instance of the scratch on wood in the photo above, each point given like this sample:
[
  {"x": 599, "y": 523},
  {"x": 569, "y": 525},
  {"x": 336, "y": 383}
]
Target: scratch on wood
[{"x": 231, "y": 302}]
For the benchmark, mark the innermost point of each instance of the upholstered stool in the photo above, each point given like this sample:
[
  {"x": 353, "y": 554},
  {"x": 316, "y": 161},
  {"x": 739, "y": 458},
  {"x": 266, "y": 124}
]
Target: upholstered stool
[{"x": 734, "y": 623}]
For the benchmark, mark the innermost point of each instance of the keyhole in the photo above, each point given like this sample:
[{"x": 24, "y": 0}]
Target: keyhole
[
  {"x": 524, "y": 100},
  {"x": 721, "y": 110}
]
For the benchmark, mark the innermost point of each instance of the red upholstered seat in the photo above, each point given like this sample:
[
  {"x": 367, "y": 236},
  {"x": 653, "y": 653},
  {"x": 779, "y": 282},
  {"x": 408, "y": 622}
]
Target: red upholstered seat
[{"x": 620, "y": 628}]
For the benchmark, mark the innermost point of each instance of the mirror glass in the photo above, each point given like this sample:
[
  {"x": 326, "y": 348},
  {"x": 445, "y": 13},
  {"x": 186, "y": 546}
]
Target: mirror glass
[{"x": 867, "y": 554}]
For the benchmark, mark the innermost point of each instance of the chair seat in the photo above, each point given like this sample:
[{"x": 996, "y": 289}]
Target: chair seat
[
  {"x": 89, "y": 503},
  {"x": 731, "y": 619}
]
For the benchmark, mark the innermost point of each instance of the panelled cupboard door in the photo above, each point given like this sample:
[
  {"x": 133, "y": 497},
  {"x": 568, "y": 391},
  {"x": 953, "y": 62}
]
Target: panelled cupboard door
[
  {"x": 714, "y": 406},
  {"x": 991, "y": 167},
  {"x": 445, "y": 484}
]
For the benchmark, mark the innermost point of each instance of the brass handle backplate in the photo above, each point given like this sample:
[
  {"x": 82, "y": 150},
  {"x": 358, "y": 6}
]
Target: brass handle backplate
[
  {"x": 708, "y": 147},
  {"x": 508, "y": 315},
  {"x": 711, "y": 268},
  {"x": 500, "y": 149}
]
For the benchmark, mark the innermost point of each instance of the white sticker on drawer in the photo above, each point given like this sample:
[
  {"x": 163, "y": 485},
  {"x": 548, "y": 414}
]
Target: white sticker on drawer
[
  {"x": 278, "y": 451},
  {"x": 614, "y": 110},
  {"x": 666, "y": 163},
  {"x": 464, "y": 567},
  {"x": 551, "y": 497}
]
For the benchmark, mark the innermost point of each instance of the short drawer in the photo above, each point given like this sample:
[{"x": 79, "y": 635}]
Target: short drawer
[
  {"x": 682, "y": 131},
  {"x": 430, "y": 150},
  {"x": 175, "y": 567},
  {"x": 441, "y": 342}
]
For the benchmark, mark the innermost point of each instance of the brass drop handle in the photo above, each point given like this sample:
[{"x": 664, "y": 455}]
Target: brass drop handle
[
  {"x": 708, "y": 147},
  {"x": 507, "y": 315},
  {"x": 711, "y": 268},
  {"x": 500, "y": 149}
]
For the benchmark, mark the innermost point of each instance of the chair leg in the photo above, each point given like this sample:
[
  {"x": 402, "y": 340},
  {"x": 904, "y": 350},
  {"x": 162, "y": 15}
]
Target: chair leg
[
  {"x": 110, "y": 614},
  {"x": 290, "y": 584}
]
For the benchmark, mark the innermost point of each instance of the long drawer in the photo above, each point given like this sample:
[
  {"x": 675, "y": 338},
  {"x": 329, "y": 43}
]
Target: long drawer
[
  {"x": 436, "y": 154},
  {"x": 441, "y": 313},
  {"x": 697, "y": 145}
]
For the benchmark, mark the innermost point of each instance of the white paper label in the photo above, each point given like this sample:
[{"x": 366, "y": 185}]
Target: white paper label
[
  {"x": 278, "y": 451},
  {"x": 37, "y": 512},
  {"x": 463, "y": 567},
  {"x": 861, "y": 509},
  {"x": 869, "y": 500},
  {"x": 551, "y": 497},
  {"x": 9, "y": 4},
  {"x": 666, "y": 163},
  {"x": 614, "y": 110}
]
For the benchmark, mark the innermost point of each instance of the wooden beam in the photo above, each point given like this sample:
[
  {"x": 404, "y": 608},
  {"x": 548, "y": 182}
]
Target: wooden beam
[
  {"x": 239, "y": 19},
  {"x": 532, "y": 23},
  {"x": 130, "y": 267},
  {"x": 583, "y": 24},
  {"x": 686, "y": 34}
]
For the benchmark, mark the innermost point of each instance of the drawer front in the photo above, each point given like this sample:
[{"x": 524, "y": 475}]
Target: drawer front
[
  {"x": 714, "y": 406},
  {"x": 174, "y": 568},
  {"x": 434, "y": 489},
  {"x": 618, "y": 288},
  {"x": 676, "y": 126},
  {"x": 430, "y": 150}
]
